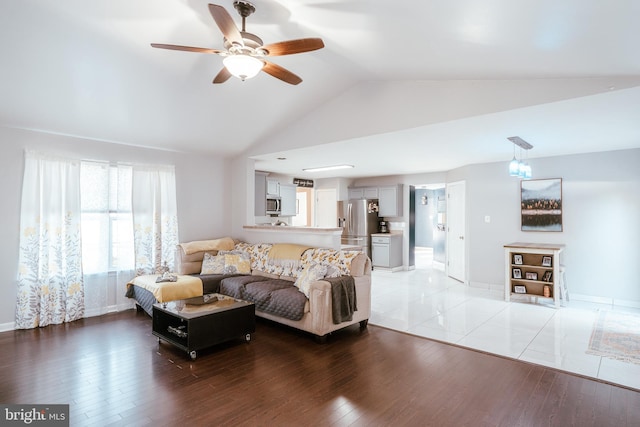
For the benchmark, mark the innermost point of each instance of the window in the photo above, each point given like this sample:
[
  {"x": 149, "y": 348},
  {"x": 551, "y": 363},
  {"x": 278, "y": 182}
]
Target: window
[{"x": 107, "y": 223}]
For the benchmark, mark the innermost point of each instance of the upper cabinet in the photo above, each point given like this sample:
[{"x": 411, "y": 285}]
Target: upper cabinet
[
  {"x": 356, "y": 193},
  {"x": 389, "y": 198},
  {"x": 288, "y": 199},
  {"x": 363, "y": 193},
  {"x": 370, "y": 192},
  {"x": 273, "y": 187},
  {"x": 390, "y": 201},
  {"x": 261, "y": 194}
]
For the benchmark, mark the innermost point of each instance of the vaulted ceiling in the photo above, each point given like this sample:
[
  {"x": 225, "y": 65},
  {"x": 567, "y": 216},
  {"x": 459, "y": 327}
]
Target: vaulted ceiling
[{"x": 400, "y": 87}]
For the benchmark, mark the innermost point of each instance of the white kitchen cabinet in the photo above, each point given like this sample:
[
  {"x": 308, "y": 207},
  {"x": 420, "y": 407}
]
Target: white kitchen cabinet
[
  {"x": 260, "y": 206},
  {"x": 288, "y": 199},
  {"x": 371, "y": 192},
  {"x": 363, "y": 193},
  {"x": 386, "y": 251},
  {"x": 273, "y": 187},
  {"x": 390, "y": 201},
  {"x": 356, "y": 193}
]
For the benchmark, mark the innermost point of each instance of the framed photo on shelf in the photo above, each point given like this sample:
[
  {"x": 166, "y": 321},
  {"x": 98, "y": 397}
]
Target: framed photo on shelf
[
  {"x": 531, "y": 275},
  {"x": 546, "y": 261},
  {"x": 546, "y": 277},
  {"x": 517, "y": 259},
  {"x": 517, "y": 273},
  {"x": 520, "y": 289}
]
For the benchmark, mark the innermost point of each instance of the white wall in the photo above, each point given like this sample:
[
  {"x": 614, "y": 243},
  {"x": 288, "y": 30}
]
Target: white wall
[
  {"x": 203, "y": 193},
  {"x": 601, "y": 219},
  {"x": 215, "y": 198}
]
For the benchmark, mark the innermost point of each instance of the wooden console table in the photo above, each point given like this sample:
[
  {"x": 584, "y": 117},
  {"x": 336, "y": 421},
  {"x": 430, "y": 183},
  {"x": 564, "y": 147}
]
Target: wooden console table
[{"x": 529, "y": 267}]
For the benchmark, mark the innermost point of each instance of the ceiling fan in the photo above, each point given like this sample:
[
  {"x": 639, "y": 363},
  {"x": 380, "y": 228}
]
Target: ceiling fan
[{"x": 244, "y": 52}]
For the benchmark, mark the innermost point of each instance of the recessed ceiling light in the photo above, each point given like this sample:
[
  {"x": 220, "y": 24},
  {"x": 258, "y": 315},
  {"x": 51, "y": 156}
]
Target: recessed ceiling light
[{"x": 327, "y": 168}]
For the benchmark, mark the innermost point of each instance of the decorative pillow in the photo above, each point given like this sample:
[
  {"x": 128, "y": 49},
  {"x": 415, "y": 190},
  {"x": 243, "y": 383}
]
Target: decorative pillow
[
  {"x": 339, "y": 259},
  {"x": 310, "y": 274},
  {"x": 212, "y": 264},
  {"x": 237, "y": 262},
  {"x": 258, "y": 253}
]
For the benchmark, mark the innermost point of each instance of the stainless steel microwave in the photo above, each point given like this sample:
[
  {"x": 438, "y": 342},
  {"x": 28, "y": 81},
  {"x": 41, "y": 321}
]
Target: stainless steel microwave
[{"x": 274, "y": 205}]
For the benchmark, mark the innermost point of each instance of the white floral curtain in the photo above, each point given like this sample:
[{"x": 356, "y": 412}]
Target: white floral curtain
[
  {"x": 50, "y": 286},
  {"x": 155, "y": 218}
]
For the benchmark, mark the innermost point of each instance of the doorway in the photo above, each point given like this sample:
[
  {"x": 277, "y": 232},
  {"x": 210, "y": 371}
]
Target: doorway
[
  {"x": 304, "y": 207},
  {"x": 429, "y": 225}
]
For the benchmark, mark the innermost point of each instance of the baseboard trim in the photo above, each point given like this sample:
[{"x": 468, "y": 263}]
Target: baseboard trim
[
  {"x": 572, "y": 296},
  {"x": 605, "y": 300},
  {"x": 488, "y": 286},
  {"x": 5, "y": 327},
  {"x": 11, "y": 326}
]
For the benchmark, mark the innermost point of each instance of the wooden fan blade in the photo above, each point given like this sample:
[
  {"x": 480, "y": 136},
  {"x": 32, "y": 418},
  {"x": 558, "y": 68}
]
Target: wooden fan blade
[
  {"x": 293, "y": 46},
  {"x": 185, "y": 48},
  {"x": 222, "y": 76},
  {"x": 226, "y": 24},
  {"x": 281, "y": 73}
]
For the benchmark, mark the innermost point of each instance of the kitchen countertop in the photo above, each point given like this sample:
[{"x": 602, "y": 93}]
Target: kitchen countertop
[
  {"x": 350, "y": 248},
  {"x": 294, "y": 229},
  {"x": 386, "y": 234}
]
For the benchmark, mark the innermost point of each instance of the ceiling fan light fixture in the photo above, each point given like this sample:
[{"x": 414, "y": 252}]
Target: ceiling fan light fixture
[{"x": 243, "y": 66}]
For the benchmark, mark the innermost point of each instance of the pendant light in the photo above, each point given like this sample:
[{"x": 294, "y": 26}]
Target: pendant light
[
  {"x": 514, "y": 165},
  {"x": 517, "y": 167}
]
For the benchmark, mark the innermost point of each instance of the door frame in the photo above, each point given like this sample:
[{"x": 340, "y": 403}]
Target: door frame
[{"x": 452, "y": 215}]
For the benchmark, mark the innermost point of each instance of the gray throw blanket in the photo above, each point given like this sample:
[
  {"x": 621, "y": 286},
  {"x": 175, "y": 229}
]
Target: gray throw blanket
[{"x": 343, "y": 294}]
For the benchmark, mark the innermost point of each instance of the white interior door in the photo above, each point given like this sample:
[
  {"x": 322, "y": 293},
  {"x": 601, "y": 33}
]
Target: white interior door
[
  {"x": 326, "y": 208},
  {"x": 456, "y": 231}
]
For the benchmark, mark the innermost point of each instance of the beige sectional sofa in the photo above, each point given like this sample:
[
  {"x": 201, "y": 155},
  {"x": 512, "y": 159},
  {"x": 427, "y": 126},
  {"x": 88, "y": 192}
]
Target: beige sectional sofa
[{"x": 318, "y": 317}]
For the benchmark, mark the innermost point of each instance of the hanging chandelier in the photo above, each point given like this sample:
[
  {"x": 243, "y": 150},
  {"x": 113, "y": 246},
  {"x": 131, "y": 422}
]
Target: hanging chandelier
[{"x": 520, "y": 168}]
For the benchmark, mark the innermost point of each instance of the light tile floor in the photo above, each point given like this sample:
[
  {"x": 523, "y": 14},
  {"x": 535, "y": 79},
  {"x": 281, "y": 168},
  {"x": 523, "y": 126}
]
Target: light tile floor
[{"x": 427, "y": 303}]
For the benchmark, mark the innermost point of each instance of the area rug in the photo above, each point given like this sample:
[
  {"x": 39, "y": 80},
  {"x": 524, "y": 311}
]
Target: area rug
[{"x": 616, "y": 336}]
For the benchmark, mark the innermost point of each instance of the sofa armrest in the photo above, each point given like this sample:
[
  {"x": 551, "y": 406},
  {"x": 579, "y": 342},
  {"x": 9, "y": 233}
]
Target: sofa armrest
[
  {"x": 320, "y": 304},
  {"x": 321, "y": 301},
  {"x": 360, "y": 266}
]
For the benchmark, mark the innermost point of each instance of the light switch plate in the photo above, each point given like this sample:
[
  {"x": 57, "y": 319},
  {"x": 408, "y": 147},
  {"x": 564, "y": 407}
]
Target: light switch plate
[{"x": 487, "y": 219}]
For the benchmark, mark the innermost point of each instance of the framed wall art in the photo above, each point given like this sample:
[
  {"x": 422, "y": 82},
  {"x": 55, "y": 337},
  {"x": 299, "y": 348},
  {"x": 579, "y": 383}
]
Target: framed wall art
[{"x": 541, "y": 204}]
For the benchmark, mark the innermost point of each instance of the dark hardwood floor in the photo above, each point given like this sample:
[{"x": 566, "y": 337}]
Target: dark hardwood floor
[{"x": 112, "y": 371}]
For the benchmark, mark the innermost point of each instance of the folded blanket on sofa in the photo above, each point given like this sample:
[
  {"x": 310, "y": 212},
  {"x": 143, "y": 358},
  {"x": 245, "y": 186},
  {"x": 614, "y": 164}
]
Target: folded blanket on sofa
[
  {"x": 286, "y": 254},
  {"x": 184, "y": 287},
  {"x": 343, "y": 294},
  {"x": 222, "y": 244}
]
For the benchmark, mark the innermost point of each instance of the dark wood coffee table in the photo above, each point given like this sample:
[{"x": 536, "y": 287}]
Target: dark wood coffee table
[{"x": 196, "y": 323}]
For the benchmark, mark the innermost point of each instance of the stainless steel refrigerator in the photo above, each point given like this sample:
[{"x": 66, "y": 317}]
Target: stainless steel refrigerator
[{"x": 358, "y": 219}]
